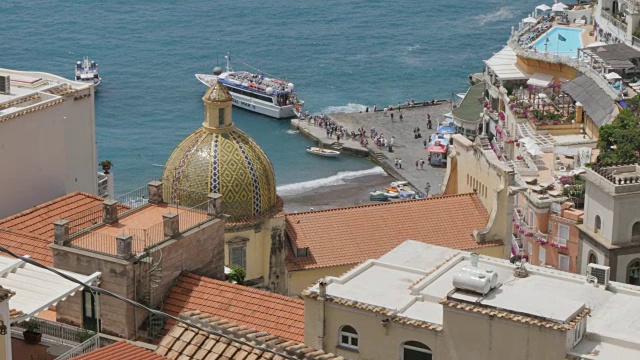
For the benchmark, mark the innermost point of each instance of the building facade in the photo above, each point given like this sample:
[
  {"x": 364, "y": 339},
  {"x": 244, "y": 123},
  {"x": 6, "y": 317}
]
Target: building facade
[{"x": 47, "y": 137}]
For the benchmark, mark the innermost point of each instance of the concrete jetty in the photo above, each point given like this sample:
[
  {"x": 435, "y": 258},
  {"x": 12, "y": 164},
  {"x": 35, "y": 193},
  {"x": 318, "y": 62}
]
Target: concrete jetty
[{"x": 405, "y": 147}]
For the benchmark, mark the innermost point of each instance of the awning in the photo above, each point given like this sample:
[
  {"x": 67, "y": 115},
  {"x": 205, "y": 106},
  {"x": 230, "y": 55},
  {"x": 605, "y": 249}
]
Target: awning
[
  {"x": 37, "y": 289},
  {"x": 613, "y": 76},
  {"x": 503, "y": 64},
  {"x": 541, "y": 80},
  {"x": 529, "y": 20},
  {"x": 559, "y": 7},
  {"x": 543, "y": 7}
]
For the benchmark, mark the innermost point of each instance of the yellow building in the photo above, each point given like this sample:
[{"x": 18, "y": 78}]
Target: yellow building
[{"x": 220, "y": 158}]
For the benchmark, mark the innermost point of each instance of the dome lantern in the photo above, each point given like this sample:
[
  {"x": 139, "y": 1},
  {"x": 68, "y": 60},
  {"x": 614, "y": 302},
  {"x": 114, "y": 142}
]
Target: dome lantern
[{"x": 217, "y": 109}]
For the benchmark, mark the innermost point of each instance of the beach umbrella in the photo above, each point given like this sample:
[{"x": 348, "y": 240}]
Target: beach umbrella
[
  {"x": 543, "y": 7},
  {"x": 529, "y": 20},
  {"x": 613, "y": 76}
]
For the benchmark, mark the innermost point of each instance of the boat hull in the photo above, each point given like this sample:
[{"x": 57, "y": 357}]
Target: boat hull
[
  {"x": 253, "y": 104},
  {"x": 322, "y": 152}
]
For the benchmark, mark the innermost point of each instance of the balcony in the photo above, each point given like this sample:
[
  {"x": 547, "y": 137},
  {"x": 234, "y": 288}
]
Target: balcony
[{"x": 57, "y": 339}]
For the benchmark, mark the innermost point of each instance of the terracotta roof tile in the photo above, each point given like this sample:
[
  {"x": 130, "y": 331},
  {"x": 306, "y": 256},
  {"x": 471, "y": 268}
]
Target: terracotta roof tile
[
  {"x": 243, "y": 305},
  {"x": 352, "y": 235},
  {"x": 23, "y": 243},
  {"x": 39, "y": 219},
  {"x": 121, "y": 350}
]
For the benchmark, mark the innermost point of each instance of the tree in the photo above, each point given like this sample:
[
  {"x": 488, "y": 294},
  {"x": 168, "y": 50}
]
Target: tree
[{"x": 620, "y": 140}]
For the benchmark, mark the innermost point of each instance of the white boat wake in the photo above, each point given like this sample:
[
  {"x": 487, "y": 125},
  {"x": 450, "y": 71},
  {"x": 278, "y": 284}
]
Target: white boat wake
[
  {"x": 349, "y": 108},
  {"x": 338, "y": 179}
]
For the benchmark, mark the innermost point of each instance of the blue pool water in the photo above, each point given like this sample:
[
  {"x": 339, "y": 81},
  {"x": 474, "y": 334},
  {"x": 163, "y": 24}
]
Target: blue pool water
[{"x": 555, "y": 46}]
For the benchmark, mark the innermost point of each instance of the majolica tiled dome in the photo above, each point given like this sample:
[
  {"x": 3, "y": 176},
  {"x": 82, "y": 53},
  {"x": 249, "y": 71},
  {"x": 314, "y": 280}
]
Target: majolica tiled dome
[{"x": 219, "y": 158}]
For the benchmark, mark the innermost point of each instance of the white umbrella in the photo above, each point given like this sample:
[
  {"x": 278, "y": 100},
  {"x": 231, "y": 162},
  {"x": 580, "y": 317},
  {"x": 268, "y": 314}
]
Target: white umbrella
[
  {"x": 559, "y": 7},
  {"x": 613, "y": 76},
  {"x": 529, "y": 20},
  {"x": 543, "y": 7}
]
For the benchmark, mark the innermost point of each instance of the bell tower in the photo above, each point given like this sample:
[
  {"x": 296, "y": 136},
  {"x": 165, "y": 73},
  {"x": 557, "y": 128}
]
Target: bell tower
[{"x": 217, "y": 109}]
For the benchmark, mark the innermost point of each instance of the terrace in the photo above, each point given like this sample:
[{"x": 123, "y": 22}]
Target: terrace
[{"x": 140, "y": 219}]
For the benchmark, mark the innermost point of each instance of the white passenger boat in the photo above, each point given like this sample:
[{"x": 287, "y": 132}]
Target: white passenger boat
[
  {"x": 322, "y": 152},
  {"x": 257, "y": 92},
  {"x": 87, "y": 72}
]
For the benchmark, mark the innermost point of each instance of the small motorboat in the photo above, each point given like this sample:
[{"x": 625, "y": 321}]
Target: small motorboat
[
  {"x": 392, "y": 189},
  {"x": 392, "y": 194},
  {"x": 399, "y": 183},
  {"x": 378, "y": 196},
  {"x": 322, "y": 152}
]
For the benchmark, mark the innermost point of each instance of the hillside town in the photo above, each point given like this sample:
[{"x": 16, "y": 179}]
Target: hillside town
[{"x": 527, "y": 245}]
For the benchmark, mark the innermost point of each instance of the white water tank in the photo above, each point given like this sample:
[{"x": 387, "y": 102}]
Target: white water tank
[
  {"x": 478, "y": 283},
  {"x": 269, "y": 91},
  {"x": 492, "y": 275},
  {"x": 290, "y": 86}
]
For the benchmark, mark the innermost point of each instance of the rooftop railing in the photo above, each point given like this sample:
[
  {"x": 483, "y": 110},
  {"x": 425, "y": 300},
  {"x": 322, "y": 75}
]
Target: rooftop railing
[{"x": 55, "y": 332}]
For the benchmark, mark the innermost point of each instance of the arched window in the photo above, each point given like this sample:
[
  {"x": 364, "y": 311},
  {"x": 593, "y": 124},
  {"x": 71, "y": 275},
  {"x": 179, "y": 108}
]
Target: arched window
[
  {"x": 413, "y": 350},
  {"x": 635, "y": 231},
  {"x": 614, "y": 7},
  {"x": 633, "y": 272},
  {"x": 598, "y": 226},
  {"x": 593, "y": 258},
  {"x": 349, "y": 337}
]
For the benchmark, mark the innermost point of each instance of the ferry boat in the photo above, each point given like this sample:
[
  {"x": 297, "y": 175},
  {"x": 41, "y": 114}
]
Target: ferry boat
[
  {"x": 256, "y": 92},
  {"x": 87, "y": 72}
]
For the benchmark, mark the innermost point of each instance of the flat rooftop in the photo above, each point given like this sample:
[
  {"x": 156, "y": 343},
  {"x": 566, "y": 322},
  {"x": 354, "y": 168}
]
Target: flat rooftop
[
  {"x": 411, "y": 280},
  {"x": 29, "y": 89}
]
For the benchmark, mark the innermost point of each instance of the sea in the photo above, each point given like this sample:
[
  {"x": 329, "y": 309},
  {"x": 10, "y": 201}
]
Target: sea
[{"x": 341, "y": 55}]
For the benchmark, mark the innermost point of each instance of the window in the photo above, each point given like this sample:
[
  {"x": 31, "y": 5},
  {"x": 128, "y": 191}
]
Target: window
[
  {"x": 221, "y": 117},
  {"x": 542, "y": 255},
  {"x": 563, "y": 262},
  {"x": 413, "y": 350},
  {"x": 593, "y": 258},
  {"x": 89, "y": 310},
  {"x": 238, "y": 256},
  {"x": 633, "y": 272},
  {"x": 530, "y": 222},
  {"x": 563, "y": 234},
  {"x": 598, "y": 226},
  {"x": 635, "y": 231},
  {"x": 577, "y": 333},
  {"x": 348, "y": 337},
  {"x": 530, "y": 248},
  {"x": 550, "y": 227}
]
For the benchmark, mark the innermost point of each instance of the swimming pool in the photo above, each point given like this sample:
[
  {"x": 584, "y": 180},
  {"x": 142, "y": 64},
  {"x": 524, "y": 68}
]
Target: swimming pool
[{"x": 555, "y": 46}]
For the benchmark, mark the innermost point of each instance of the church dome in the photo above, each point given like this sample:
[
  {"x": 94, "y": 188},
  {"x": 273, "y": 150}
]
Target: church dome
[{"x": 220, "y": 158}]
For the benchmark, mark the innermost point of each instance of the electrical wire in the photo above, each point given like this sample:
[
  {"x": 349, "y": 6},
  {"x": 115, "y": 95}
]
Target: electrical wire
[{"x": 138, "y": 305}]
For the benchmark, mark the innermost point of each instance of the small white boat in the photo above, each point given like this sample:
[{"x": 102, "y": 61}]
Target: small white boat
[
  {"x": 322, "y": 152},
  {"x": 399, "y": 183},
  {"x": 87, "y": 72},
  {"x": 392, "y": 194}
]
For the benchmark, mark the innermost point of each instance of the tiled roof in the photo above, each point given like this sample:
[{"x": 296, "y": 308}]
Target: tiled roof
[
  {"x": 185, "y": 342},
  {"x": 275, "y": 314},
  {"x": 351, "y": 235},
  {"x": 22, "y": 243},
  {"x": 121, "y": 350},
  {"x": 39, "y": 219}
]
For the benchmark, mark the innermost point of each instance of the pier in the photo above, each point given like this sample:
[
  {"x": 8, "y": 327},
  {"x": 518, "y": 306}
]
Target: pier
[{"x": 405, "y": 146}]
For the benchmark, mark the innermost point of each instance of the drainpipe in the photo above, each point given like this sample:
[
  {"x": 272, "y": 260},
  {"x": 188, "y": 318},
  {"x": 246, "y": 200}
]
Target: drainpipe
[{"x": 322, "y": 293}]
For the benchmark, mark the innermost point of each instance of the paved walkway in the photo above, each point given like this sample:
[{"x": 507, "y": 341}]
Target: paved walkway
[{"x": 406, "y": 147}]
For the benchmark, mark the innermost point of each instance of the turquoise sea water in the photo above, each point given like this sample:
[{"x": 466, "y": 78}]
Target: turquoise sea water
[
  {"x": 341, "y": 55},
  {"x": 572, "y": 42}
]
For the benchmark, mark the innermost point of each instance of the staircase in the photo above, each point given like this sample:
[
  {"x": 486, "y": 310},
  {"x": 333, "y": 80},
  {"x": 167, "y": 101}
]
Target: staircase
[{"x": 155, "y": 323}]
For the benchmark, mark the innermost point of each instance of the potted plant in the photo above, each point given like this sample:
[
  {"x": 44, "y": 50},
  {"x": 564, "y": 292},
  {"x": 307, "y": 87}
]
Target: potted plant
[
  {"x": 31, "y": 334},
  {"x": 106, "y": 165}
]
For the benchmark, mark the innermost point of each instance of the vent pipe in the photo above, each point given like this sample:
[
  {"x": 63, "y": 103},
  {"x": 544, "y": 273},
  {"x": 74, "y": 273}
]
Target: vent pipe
[{"x": 474, "y": 259}]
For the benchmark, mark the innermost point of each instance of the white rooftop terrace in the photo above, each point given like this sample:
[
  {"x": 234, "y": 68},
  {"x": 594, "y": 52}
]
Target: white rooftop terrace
[
  {"x": 414, "y": 277},
  {"x": 25, "y": 84}
]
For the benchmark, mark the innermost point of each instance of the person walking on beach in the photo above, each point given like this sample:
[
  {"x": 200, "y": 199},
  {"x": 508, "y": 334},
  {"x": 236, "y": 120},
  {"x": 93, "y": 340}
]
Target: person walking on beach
[
  {"x": 425, "y": 143},
  {"x": 400, "y": 163},
  {"x": 417, "y": 163},
  {"x": 396, "y": 162},
  {"x": 391, "y": 117},
  {"x": 392, "y": 141},
  {"x": 421, "y": 164},
  {"x": 401, "y": 117},
  {"x": 328, "y": 132}
]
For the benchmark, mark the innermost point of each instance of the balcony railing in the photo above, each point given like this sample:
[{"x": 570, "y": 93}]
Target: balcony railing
[
  {"x": 615, "y": 22},
  {"x": 56, "y": 332},
  {"x": 93, "y": 343}
]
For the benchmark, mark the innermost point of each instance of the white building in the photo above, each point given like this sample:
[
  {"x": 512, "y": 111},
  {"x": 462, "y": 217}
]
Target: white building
[
  {"x": 421, "y": 301},
  {"x": 47, "y": 139}
]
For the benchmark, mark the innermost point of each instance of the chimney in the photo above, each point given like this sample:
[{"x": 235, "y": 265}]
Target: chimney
[
  {"x": 154, "y": 190},
  {"x": 61, "y": 232},
  {"x": 214, "y": 204},
  {"x": 320, "y": 321},
  {"x": 474, "y": 259},
  {"x": 124, "y": 246},
  {"x": 110, "y": 212},
  {"x": 171, "y": 224}
]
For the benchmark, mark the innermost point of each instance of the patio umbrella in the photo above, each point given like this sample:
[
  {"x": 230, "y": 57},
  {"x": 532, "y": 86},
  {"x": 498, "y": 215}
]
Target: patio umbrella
[
  {"x": 559, "y": 7},
  {"x": 529, "y": 20},
  {"x": 613, "y": 76},
  {"x": 543, "y": 7}
]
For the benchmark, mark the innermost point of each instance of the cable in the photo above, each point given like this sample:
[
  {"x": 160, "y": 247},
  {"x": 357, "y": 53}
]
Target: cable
[{"x": 138, "y": 305}]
